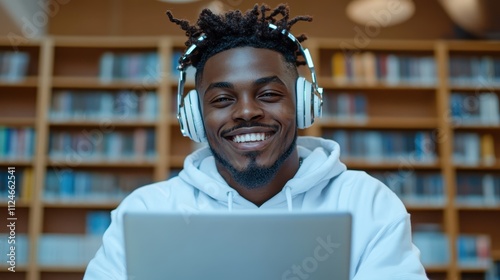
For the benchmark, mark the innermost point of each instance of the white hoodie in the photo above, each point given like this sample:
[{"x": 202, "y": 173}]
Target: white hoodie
[{"x": 381, "y": 240}]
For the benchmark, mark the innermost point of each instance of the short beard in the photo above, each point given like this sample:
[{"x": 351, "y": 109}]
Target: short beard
[{"x": 254, "y": 176}]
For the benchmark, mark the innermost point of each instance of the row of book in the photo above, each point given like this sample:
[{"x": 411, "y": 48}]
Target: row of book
[
  {"x": 85, "y": 146},
  {"x": 138, "y": 66},
  {"x": 345, "y": 106},
  {"x": 478, "y": 189},
  {"x": 385, "y": 146},
  {"x": 414, "y": 188},
  {"x": 24, "y": 183},
  {"x": 74, "y": 249},
  {"x": 98, "y": 105},
  {"x": 13, "y": 65},
  {"x": 68, "y": 185},
  {"x": 433, "y": 244},
  {"x": 475, "y": 108},
  {"x": 21, "y": 249},
  {"x": 370, "y": 67},
  {"x": 474, "y": 250},
  {"x": 472, "y": 149},
  {"x": 476, "y": 70},
  {"x": 67, "y": 249},
  {"x": 17, "y": 143}
]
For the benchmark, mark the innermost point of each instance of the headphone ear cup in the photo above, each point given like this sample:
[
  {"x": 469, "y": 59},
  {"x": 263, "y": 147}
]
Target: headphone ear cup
[
  {"x": 191, "y": 119},
  {"x": 305, "y": 110}
]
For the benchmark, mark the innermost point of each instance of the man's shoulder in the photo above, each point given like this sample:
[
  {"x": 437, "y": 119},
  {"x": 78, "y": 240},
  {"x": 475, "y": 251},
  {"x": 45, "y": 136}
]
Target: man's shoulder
[
  {"x": 356, "y": 178},
  {"x": 362, "y": 188},
  {"x": 160, "y": 192}
]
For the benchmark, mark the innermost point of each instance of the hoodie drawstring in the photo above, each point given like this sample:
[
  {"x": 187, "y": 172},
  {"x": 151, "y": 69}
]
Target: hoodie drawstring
[
  {"x": 288, "y": 193},
  {"x": 230, "y": 201}
]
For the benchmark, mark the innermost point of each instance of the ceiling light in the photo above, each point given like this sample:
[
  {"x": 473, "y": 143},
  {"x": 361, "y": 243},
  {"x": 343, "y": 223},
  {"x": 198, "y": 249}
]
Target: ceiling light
[{"x": 381, "y": 12}]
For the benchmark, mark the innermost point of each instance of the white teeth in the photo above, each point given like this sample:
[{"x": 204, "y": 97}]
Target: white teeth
[{"x": 251, "y": 137}]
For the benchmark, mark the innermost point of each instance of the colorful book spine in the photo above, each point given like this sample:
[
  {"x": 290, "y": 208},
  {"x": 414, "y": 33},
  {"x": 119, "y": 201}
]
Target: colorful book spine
[
  {"x": 370, "y": 67},
  {"x": 17, "y": 143},
  {"x": 143, "y": 66},
  {"x": 79, "y": 185},
  {"x": 95, "y": 105}
]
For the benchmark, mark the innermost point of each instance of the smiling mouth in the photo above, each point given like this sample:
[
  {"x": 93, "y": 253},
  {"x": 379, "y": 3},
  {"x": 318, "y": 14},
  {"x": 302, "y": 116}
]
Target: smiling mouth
[{"x": 250, "y": 137}]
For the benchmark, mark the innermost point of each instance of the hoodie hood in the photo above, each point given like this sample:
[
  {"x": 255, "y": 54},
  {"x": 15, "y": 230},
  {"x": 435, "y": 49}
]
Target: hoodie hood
[{"x": 320, "y": 163}]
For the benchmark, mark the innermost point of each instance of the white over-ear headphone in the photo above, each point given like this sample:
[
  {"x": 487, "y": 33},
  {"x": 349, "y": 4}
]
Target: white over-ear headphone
[{"x": 309, "y": 96}]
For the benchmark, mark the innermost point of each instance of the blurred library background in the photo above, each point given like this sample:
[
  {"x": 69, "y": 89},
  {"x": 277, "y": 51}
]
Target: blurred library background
[{"x": 88, "y": 103}]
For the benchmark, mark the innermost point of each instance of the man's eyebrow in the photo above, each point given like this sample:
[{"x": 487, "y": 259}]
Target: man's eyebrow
[
  {"x": 258, "y": 82},
  {"x": 268, "y": 80},
  {"x": 220, "y": 85}
]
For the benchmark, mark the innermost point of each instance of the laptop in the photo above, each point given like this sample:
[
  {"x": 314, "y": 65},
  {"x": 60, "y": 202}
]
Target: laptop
[{"x": 238, "y": 245}]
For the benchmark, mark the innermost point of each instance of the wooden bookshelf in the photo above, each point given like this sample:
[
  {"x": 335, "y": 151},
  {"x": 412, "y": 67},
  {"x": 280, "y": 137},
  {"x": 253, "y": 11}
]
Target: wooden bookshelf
[{"x": 407, "y": 106}]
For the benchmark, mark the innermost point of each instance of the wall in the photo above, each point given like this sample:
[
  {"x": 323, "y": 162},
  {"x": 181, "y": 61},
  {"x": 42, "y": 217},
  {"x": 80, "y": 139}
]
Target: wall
[{"x": 147, "y": 17}]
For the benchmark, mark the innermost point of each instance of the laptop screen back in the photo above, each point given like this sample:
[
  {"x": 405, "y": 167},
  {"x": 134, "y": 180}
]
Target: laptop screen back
[{"x": 238, "y": 245}]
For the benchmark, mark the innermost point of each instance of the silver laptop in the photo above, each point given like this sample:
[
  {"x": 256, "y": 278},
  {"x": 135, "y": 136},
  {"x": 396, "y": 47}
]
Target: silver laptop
[{"x": 238, "y": 245}]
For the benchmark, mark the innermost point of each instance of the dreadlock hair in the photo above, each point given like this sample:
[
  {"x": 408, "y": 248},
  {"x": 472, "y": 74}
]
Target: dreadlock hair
[{"x": 235, "y": 29}]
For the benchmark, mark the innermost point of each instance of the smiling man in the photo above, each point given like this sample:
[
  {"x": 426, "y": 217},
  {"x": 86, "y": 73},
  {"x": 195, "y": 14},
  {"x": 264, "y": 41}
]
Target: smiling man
[
  {"x": 248, "y": 104},
  {"x": 248, "y": 107}
]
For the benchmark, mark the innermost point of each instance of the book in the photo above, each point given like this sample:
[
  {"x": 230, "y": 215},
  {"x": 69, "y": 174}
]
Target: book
[
  {"x": 339, "y": 72},
  {"x": 487, "y": 150},
  {"x": 97, "y": 222},
  {"x": 13, "y": 65},
  {"x": 433, "y": 244},
  {"x": 474, "y": 250},
  {"x": 369, "y": 62},
  {"x": 27, "y": 184}
]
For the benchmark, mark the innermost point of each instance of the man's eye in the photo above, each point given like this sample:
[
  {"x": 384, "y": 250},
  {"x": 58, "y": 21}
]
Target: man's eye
[
  {"x": 221, "y": 101},
  {"x": 270, "y": 96}
]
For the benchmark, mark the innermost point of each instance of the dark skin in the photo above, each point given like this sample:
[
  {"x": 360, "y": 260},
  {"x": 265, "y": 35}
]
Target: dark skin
[{"x": 253, "y": 88}]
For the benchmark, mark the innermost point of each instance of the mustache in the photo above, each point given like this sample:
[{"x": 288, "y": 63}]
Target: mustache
[{"x": 248, "y": 124}]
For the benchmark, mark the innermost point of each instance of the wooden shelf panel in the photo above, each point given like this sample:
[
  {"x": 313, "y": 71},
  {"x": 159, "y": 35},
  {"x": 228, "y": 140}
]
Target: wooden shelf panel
[
  {"x": 474, "y": 47},
  {"x": 424, "y": 207},
  {"x": 476, "y": 127},
  {"x": 380, "y": 122},
  {"x": 16, "y": 162},
  {"x": 478, "y": 208},
  {"x": 494, "y": 167},
  {"x": 22, "y": 121},
  {"x": 109, "y": 122},
  {"x": 364, "y": 165},
  {"x": 330, "y": 83},
  {"x": 473, "y": 269},
  {"x": 62, "y": 268},
  {"x": 436, "y": 268},
  {"x": 97, "y": 83},
  {"x": 111, "y": 164},
  {"x": 83, "y": 204},
  {"x": 24, "y": 82},
  {"x": 107, "y": 42},
  {"x": 18, "y": 268},
  {"x": 382, "y": 45},
  {"x": 478, "y": 88},
  {"x": 19, "y": 203}
]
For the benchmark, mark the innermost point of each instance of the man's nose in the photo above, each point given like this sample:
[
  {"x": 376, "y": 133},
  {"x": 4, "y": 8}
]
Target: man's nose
[{"x": 248, "y": 109}]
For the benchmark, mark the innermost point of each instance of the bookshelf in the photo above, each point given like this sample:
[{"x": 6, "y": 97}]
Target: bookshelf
[{"x": 94, "y": 122}]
